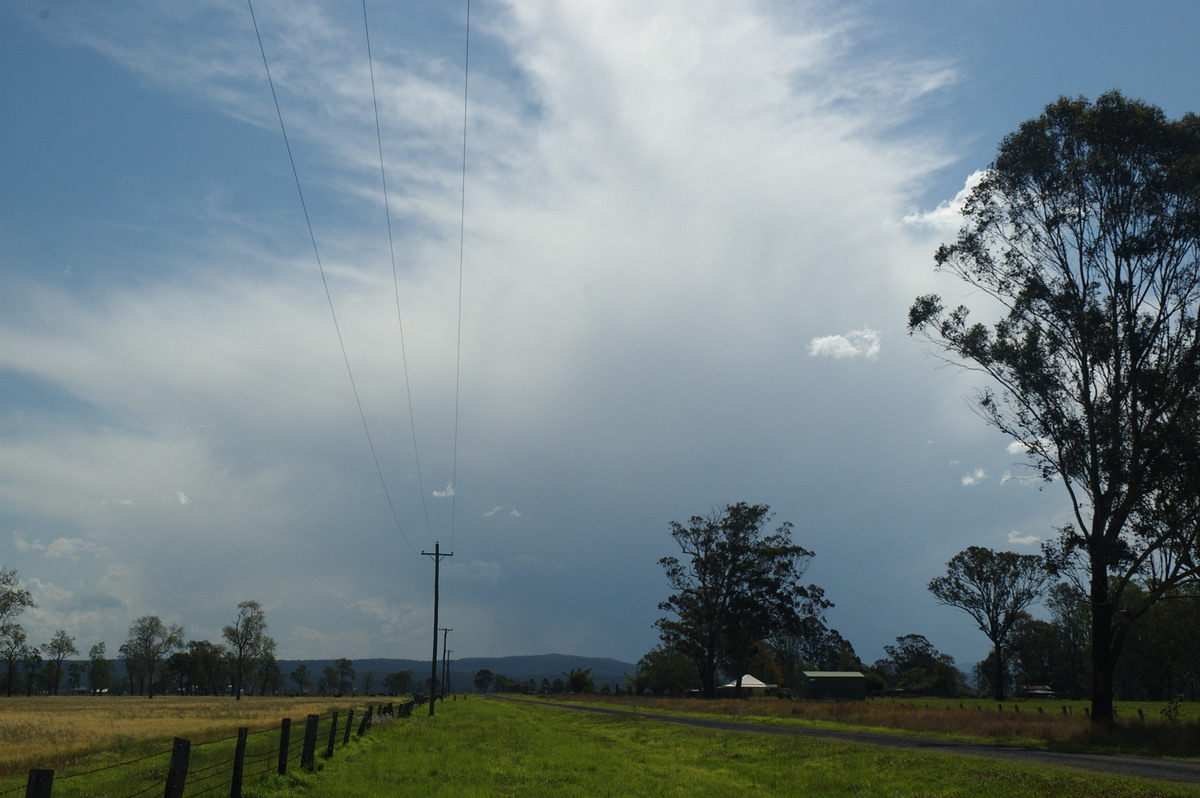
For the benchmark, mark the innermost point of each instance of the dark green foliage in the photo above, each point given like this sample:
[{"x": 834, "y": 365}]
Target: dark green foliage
[
  {"x": 735, "y": 584},
  {"x": 1085, "y": 234},
  {"x": 994, "y": 588}
]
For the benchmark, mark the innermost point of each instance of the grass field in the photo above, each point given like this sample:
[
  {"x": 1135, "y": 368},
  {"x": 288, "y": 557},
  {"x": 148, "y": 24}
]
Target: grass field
[
  {"x": 63, "y": 733},
  {"x": 485, "y": 747},
  {"x": 1057, "y": 725}
]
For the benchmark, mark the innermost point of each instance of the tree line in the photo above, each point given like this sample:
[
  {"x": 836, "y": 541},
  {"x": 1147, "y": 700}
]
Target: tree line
[{"x": 154, "y": 659}]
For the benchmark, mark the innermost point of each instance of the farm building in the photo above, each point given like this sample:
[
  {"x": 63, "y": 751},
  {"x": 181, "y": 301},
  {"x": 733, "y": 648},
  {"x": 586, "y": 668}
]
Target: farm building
[
  {"x": 751, "y": 686},
  {"x": 832, "y": 684}
]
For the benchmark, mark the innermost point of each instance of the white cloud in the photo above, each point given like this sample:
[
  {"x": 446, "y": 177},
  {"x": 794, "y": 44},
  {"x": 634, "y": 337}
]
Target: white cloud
[
  {"x": 1017, "y": 539},
  {"x": 512, "y": 511},
  {"x": 856, "y": 343},
  {"x": 59, "y": 548},
  {"x": 442, "y": 494},
  {"x": 183, "y": 498},
  {"x": 947, "y": 217},
  {"x": 975, "y": 477}
]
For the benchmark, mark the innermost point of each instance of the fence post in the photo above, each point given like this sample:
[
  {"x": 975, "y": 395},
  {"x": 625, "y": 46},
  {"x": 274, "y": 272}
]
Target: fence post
[
  {"x": 239, "y": 763},
  {"x": 285, "y": 732},
  {"x": 332, "y": 734},
  {"x": 308, "y": 753},
  {"x": 349, "y": 723},
  {"x": 177, "y": 775},
  {"x": 366, "y": 721},
  {"x": 39, "y": 784}
]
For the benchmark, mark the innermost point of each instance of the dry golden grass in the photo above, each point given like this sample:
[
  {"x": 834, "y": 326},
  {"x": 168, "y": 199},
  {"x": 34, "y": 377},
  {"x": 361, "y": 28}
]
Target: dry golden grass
[{"x": 53, "y": 732}]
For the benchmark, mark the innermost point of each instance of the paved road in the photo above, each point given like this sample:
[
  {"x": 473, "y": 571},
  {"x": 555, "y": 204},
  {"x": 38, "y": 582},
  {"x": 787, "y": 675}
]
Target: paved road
[{"x": 1142, "y": 767}]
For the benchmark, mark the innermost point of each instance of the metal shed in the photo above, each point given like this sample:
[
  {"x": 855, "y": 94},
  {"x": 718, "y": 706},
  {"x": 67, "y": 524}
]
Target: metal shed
[{"x": 850, "y": 685}]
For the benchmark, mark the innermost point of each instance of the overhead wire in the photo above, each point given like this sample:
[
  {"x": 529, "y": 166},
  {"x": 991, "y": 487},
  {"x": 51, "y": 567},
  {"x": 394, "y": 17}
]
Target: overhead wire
[
  {"x": 462, "y": 236},
  {"x": 395, "y": 278},
  {"x": 325, "y": 282}
]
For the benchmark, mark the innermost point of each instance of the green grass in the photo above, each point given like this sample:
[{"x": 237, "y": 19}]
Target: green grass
[{"x": 485, "y": 747}]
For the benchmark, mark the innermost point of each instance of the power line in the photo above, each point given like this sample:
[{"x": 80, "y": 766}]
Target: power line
[
  {"x": 324, "y": 281},
  {"x": 395, "y": 279}
]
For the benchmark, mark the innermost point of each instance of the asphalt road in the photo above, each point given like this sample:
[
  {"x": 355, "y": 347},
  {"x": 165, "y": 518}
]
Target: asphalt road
[{"x": 1142, "y": 767}]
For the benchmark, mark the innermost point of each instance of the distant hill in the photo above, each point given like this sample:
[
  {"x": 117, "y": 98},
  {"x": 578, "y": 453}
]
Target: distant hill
[{"x": 462, "y": 671}]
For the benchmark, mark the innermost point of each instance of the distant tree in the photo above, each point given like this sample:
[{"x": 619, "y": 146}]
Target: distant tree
[
  {"x": 736, "y": 583},
  {"x": 248, "y": 642},
  {"x": 210, "y": 667},
  {"x": 1072, "y": 618},
  {"x": 31, "y": 662},
  {"x": 268, "y": 673},
  {"x": 345, "y": 671},
  {"x": 665, "y": 671},
  {"x": 398, "y": 683},
  {"x": 368, "y": 681},
  {"x": 994, "y": 588},
  {"x": 148, "y": 643},
  {"x": 328, "y": 683},
  {"x": 300, "y": 676},
  {"x": 1085, "y": 233},
  {"x": 483, "y": 679},
  {"x": 914, "y": 664},
  {"x": 99, "y": 669},
  {"x": 1036, "y": 648},
  {"x": 75, "y": 672},
  {"x": 579, "y": 680},
  {"x": 544, "y": 687},
  {"x": 12, "y": 648},
  {"x": 558, "y": 686},
  {"x": 182, "y": 671}
]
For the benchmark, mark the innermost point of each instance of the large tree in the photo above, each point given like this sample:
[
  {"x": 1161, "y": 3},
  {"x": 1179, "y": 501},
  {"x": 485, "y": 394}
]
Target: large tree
[
  {"x": 736, "y": 583},
  {"x": 14, "y": 600},
  {"x": 994, "y": 588},
  {"x": 1084, "y": 236},
  {"x": 248, "y": 642},
  {"x": 148, "y": 643},
  {"x": 61, "y": 646}
]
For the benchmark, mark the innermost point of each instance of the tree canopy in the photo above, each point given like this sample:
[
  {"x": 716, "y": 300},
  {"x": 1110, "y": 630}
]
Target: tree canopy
[
  {"x": 994, "y": 588},
  {"x": 1085, "y": 234},
  {"x": 736, "y": 583}
]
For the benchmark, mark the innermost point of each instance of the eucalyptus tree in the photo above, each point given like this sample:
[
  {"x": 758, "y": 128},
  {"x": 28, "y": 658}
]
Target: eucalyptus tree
[
  {"x": 61, "y": 646},
  {"x": 14, "y": 600},
  {"x": 736, "y": 583},
  {"x": 148, "y": 643},
  {"x": 248, "y": 642},
  {"x": 994, "y": 588},
  {"x": 1084, "y": 238}
]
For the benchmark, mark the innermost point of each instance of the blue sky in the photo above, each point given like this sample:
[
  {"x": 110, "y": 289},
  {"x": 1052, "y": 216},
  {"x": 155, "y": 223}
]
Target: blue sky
[{"x": 690, "y": 236}]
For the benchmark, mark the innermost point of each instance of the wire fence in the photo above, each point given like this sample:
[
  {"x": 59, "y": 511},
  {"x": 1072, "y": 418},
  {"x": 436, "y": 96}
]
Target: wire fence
[{"x": 216, "y": 767}]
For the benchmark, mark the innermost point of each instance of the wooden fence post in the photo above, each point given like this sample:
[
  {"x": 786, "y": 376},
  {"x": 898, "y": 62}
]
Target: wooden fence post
[
  {"x": 332, "y": 734},
  {"x": 39, "y": 784},
  {"x": 239, "y": 763},
  {"x": 366, "y": 721},
  {"x": 349, "y": 723},
  {"x": 177, "y": 775},
  {"x": 309, "y": 751},
  {"x": 285, "y": 732}
]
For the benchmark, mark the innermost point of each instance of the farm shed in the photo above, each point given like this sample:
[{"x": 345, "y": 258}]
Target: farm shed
[
  {"x": 832, "y": 684},
  {"x": 750, "y": 686}
]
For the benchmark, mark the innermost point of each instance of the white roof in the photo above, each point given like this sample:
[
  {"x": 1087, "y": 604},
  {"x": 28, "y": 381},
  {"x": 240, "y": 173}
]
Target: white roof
[{"x": 749, "y": 681}]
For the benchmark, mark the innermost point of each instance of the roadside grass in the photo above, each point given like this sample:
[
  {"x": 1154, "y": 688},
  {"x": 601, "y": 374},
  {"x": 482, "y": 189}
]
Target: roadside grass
[
  {"x": 489, "y": 747},
  {"x": 67, "y": 733},
  {"x": 1053, "y": 725}
]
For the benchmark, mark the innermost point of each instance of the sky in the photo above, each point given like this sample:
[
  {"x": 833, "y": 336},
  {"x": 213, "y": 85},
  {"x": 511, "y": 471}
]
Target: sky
[{"x": 664, "y": 267}]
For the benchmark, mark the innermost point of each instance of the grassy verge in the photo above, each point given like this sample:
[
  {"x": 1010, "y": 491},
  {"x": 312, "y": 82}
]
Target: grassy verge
[
  {"x": 485, "y": 747},
  {"x": 1027, "y": 723}
]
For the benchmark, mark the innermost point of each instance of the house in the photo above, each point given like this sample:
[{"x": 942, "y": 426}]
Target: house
[
  {"x": 751, "y": 686},
  {"x": 832, "y": 684}
]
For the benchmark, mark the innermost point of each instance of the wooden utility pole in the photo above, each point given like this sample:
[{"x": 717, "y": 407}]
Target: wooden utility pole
[
  {"x": 445, "y": 661},
  {"x": 437, "y": 556}
]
